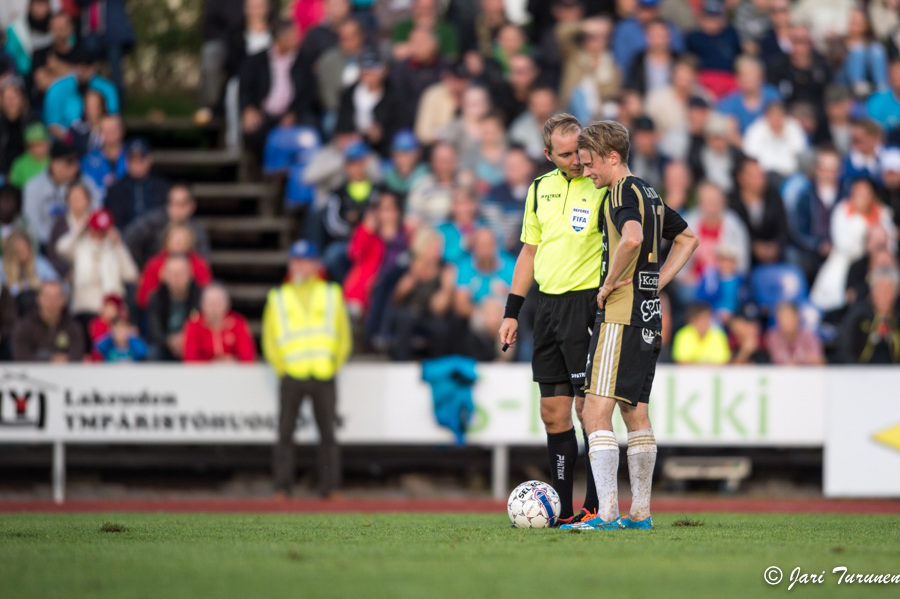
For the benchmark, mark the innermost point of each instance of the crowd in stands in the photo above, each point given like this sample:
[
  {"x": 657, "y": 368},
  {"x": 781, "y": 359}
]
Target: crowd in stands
[{"x": 772, "y": 126}]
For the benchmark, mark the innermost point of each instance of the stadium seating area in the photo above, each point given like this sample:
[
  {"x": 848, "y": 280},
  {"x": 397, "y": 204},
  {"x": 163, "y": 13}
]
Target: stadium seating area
[{"x": 402, "y": 136}]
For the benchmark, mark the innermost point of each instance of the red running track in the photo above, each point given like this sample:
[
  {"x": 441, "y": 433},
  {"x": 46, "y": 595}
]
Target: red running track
[{"x": 307, "y": 506}]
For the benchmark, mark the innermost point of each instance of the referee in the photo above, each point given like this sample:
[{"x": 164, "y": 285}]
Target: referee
[{"x": 562, "y": 252}]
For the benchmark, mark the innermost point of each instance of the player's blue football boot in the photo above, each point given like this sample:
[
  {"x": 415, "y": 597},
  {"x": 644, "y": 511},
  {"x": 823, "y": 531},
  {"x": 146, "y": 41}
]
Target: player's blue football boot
[
  {"x": 593, "y": 523},
  {"x": 645, "y": 524}
]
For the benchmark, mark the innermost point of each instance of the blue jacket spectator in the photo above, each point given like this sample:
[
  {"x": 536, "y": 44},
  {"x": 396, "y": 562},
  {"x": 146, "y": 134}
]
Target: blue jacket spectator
[
  {"x": 629, "y": 40},
  {"x": 64, "y": 102},
  {"x": 107, "y": 164},
  {"x": 121, "y": 345},
  {"x": 809, "y": 218},
  {"x": 486, "y": 274},
  {"x": 865, "y": 67},
  {"x": 750, "y": 100},
  {"x": 864, "y": 158},
  {"x": 884, "y": 106},
  {"x": 456, "y": 232},
  {"x": 716, "y": 43}
]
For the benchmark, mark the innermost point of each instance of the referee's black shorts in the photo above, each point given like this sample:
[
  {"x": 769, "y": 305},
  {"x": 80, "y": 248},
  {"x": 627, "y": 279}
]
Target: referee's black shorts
[{"x": 562, "y": 337}]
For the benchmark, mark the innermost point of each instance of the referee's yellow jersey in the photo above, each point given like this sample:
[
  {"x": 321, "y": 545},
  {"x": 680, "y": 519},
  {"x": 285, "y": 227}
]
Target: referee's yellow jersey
[{"x": 562, "y": 220}]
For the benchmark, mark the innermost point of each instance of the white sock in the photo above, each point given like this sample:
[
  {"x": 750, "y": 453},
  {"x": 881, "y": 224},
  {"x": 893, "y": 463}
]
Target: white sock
[
  {"x": 641, "y": 461},
  {"x": 604, "y": 455}
]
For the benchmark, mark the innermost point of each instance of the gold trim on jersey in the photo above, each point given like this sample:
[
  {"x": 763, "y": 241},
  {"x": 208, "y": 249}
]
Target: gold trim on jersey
[
  {"x": 607, "y": 354},
  {"x": 620, "y": 303}
]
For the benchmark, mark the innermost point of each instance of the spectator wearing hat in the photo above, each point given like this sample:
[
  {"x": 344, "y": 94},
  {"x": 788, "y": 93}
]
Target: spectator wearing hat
[
  {"x": 48, "y": 334},
  {"x": 13, "y": 122},
  {"x": 113, "y": 309},
  {"x": 64, "y": 102},
  {"x": 440, "y": 102},
  {"x": 590, "y": 77},
  {"x": 803, "y": 74},
  {"x": 789, "y": 343},
  {"x": 338, "y": 68},
  {"x": 405, "y": 167},
  {"x": 645, "y": 160},
  {"x": 884, "y": 105},
  {"x": 890, "y": 176},
  {"x": 776, "y": 140},
  {"x": 701, "y": 340},
  {"x": 758, "y": 204},
  {"x": 306, "y": 338},
  {"x": 527, "y": 130},
  {"x": 327, "y": 171},
  {"x": 35, "y": 159},
  {"x": 870, "y": 333},
  {"x": 178, "y": 239},
  {"x": 44, "y": 197},
  {"x": 716, "y": 44},
  {"x": 372, "y": 107},
  {"x": 139, "y": 191},
  {"x": 217, "y": 333},
  {"x": 106, "y": 164},
  {"x": 748, "y": 102},
  {"x": 271, "y": 89},
  {"x": 145, "y": 235},
  {"x": 630, "y": 35},
  {"x": 809, "y": 220},
  {"x": 101, "y": 264},
  {"x": 172, "y": 305}
]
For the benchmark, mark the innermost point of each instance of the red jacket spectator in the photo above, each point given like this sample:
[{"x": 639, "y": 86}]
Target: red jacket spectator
[
  {"x": 366, "y": 251},
  {"x": 151, "y": 277},
  {"x": 203, "y": 344}
]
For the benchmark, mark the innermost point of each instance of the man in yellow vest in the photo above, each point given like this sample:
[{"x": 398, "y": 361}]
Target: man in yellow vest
[{"x": 306, "y": 338}]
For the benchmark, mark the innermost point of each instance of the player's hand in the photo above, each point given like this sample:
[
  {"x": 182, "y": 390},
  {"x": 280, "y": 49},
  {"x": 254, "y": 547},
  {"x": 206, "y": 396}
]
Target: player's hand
[
  {"x": 508, "y": 331},
  {"x": 606, "y": 290}
]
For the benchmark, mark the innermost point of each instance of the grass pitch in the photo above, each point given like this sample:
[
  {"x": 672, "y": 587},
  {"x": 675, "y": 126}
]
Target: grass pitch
[{"x": 195, "y": 556}]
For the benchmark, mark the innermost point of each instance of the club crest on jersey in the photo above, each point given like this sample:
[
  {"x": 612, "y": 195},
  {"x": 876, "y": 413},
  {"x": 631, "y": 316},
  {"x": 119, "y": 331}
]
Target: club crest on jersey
[
  {"x": 648, "y": 281},
  {"x": 580, "y": 218}
]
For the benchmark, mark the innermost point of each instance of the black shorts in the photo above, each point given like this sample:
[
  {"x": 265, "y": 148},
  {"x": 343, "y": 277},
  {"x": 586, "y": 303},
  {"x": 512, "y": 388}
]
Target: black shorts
[
  {"x": 562, "y": 335},
  {"x": 623, "y": 362}
]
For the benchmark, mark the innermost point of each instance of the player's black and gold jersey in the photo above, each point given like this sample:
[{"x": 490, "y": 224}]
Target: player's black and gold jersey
[{"x": 634, "y": 199}]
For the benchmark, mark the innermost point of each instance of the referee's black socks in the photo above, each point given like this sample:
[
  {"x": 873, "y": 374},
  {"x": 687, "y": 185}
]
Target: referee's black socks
[
  {"x": 591, "y": 503},
  {"x": 562, "y": 449}
]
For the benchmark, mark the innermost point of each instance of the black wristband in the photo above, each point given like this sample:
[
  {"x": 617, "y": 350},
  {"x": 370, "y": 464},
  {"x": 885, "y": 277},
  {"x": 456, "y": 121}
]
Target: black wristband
[{"x": 513, "y": 306}]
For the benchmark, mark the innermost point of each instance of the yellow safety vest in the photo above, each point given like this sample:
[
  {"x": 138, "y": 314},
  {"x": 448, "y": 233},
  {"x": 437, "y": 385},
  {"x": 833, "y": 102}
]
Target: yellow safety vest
[{"x": 307, "y": 339}]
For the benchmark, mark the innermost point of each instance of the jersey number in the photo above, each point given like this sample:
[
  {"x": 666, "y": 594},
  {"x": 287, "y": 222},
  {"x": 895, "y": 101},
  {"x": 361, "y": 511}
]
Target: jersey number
[{"x": 657, "y": 227}]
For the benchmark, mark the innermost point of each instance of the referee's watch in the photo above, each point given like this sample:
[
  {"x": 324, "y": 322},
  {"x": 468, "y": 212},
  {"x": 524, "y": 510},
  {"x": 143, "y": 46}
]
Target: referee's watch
[{"x": 513, "y": 306}]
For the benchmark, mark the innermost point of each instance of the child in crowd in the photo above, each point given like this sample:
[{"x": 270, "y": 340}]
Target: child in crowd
[{"x": 121, "y": 343}]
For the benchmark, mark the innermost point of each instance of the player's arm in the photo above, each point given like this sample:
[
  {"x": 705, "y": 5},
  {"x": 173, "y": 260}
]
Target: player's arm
[
  {"x": 629, "y": 246},
  {"x": 684, "y": 242}
]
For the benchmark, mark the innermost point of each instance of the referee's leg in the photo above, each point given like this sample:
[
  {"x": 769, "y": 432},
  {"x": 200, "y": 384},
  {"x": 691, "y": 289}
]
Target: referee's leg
[{"x": 562, "y": 442}]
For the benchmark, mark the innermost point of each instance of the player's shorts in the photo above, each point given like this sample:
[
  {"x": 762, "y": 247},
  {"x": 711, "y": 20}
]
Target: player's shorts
[
  {"x": 622, "y": 362},
  {"x": 562, "y": 335}
]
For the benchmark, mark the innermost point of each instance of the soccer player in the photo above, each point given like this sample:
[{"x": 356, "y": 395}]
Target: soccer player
[
  {"x": 562, "y": 253},
  {"x": 627, "y": 332}
]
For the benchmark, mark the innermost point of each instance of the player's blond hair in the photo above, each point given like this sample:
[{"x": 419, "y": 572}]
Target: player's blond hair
[
  {"x": 604, "y": 137},
  {"x": 562, "y": 122}
]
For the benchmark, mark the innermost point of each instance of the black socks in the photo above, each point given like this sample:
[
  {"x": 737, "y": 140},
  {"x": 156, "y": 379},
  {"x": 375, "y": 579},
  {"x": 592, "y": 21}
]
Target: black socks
[
  {"x": 591, "y": 502},
  {"x": 562, "y": 449}
]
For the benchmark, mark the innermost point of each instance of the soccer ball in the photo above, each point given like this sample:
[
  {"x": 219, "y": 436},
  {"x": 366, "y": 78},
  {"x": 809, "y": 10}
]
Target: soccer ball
[{"x": 533, "y": 504}]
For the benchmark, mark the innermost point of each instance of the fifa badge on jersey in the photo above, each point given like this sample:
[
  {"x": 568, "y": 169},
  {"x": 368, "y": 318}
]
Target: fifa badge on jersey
[{"x": 580, "y": 218}]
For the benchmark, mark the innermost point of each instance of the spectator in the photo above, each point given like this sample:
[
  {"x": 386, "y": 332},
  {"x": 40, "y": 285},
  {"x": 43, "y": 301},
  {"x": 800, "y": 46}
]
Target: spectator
[
  {"x": 29, "y": 34},
  {"x": 372, "y": 106},
  {"x": 504, "y": 204},
  {"x": 717, "y": 45},
  {"x": 527, "y": 129},
  {"x": 721, "y": 285},
  {"x": 776, "y": 43},
  {"x": 759, "y": 206},
  {"x": 219, "y": 19},
  {"x": 651, "y": 69},
  {"x": 686, "y": 139},
  {"x": 328, "y": 169},
  {"x": 753, "y": 95},
  {"x": 86, "y": 130},
  {"x": 716, "y": 158},
  {"x": 144, "y": 236},
  {"x": 122, "y": 343},
  {"x": 850, "y": 222},
  {"x": 107, "y": 164},
  {"x": 405, "y": 168},
  {"x": 776, "y": 141},
  {"x": 510, "y": 94},
  {"x": 10, "y": 211},
  {"x": 464, "y": 132},
  {"x": 700, "y": 341},
  {"x": 58, "y": 60},
  {"x": 630, "y": 39},
  {"x": 13, "y": 122},
  {"x": 374, "y": 249},
  {"x": 338, "y": 68},
  {"x": 870, "y": 333},
  {"x": 865, "y": 66},
  {"x": 486, "y": 165},
  {"x": 890, "y": 176},
  {"x": 645, "y": 160},
  {"x": 440, "y": 101},
  {"x": 319, "y": 40},
  {"x": 884, "y": 105},
  {"x": 179, "y": 240},
  {"x": 101, "y": 264},
  {"x": 457, "y": 231},
  {"x": 878, "y": 255},
  {"x": 809, "y": 221},
  {"x": 412, "y": 76},
  {"x": 789, "y": 343},
  {"x": 48, "y": 334},
  {"x": 422, "y": 301},
  {"x": 253, "y": 34},
  {"x": 35, "y": 159},
  {"x": 100, "y": 326},
  {"x": 139, "y": 191},
  {"x": 745, "y": 337},
  {"x": 430, "y": 198},
  {"x": 271, "y": 88},
  {"x": 752, "y": 21},
  {"x": 836, "y": 127},
  {"x": 714, "y": 223},
  {"x": 678, "y": 186},
  {"x": 170, "y": 308},
  {"x": 482, "y": 286},
  {"x": 107, "y": 31},
  {"x": 44, "y": 197},
  {"x": 865, "y": 154},
  {"x": 424, "y": 15},
  {"x": 668, "y": 105},
  {"x": 803, "y": 74},
  {"x": 590, "y": 77},
  {"x": 217, "y": 333},
  {"x": 308, "y": 14},
  {"x": 64, "y": 102}
]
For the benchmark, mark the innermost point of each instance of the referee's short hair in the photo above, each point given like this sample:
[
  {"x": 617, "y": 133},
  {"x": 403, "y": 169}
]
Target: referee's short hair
[
  {"x": 562, "y": 122},
  {"x": 604, "y": 137}
]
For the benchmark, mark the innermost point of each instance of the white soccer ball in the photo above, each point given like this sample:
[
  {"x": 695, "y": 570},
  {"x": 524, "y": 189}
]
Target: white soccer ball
[{"x": 533, "y": 504}]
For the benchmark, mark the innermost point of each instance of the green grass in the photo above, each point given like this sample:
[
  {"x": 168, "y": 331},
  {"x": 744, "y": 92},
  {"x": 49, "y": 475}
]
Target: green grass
[{"x": 423, "y": 556}]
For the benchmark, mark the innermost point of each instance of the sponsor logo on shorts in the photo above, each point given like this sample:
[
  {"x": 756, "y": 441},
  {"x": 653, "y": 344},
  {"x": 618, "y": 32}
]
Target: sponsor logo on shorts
[
  {"x": 580, "y": 375},
  {"x": 580, "y": 218},
  {"x": 650, "y": 309},
  {"x": 648, "y": 281}
]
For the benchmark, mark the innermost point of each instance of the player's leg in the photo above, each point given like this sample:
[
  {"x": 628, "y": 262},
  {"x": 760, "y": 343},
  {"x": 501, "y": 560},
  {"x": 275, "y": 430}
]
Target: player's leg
[
  {"x": 603, "y": 454},
  {"x": 641, "y": 461},
  {"x": 562, "y": 444}
]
